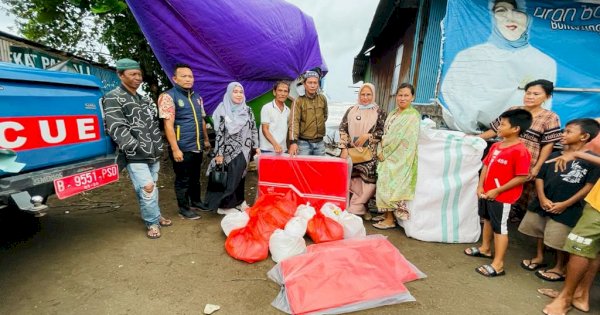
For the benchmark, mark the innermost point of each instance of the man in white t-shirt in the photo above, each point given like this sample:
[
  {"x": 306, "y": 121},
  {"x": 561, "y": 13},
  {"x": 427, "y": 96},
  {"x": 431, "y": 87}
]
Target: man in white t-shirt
[{"x": 274, "y": 120}]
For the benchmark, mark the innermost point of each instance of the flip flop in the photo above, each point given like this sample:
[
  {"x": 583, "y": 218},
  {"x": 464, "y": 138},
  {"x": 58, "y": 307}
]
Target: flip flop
[
  {"x": 475, "y": 252},
  {"x": 551, "y": 293},
  {"x": 153, "y": 232},
  {"x": 378, "y": 218},
  {"x": 531, "y": 266},
  {"x": 380, "y": 226},
  {"x": 542, "y": 274},
  {"x": 490, "y": 272},
  {"x": 164, "y": 222}
]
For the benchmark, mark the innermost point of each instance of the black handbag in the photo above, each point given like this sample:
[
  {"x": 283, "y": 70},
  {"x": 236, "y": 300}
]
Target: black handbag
[{"x": 217, "y": 180}]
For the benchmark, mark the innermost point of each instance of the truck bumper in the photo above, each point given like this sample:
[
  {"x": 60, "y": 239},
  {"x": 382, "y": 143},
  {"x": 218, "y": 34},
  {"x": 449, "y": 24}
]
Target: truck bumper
[{"x": 15, "y": 190}]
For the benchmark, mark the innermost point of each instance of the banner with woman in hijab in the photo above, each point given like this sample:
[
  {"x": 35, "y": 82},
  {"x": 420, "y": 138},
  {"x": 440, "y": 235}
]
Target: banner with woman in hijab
[{"x": 492, "y": 48}]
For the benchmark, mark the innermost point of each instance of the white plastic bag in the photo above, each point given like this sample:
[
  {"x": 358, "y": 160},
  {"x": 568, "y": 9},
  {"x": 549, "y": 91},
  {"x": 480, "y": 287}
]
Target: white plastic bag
[
  {"x": 331, "y": 211},
  {"x": 353, "y": 225},
  {"x": 283, "y": 245},
  {"x": 234, "y": 221},
  {"x": 296, "y": 226},
  {"x": 305, "y": 211}
]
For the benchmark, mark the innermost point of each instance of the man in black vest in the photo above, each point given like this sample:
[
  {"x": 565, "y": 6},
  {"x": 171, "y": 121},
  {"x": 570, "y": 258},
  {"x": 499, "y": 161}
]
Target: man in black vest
[{"x": 183, "y": 116}]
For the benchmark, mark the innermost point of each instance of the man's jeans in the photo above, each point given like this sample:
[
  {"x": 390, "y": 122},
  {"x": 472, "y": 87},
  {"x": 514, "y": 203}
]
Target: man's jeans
[
  {"x": 143, "y": 174},
  {"x": 311, "y": 148}
]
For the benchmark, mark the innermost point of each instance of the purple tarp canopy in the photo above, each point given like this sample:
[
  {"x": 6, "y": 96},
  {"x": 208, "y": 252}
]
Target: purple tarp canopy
[{"x": 255, "y": 42}]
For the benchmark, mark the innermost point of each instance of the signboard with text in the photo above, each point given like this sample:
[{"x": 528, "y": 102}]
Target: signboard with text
[{"x": 492, "y": 49}]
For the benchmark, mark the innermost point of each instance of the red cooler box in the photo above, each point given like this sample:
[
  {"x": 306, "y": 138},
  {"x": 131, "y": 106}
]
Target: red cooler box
[{"x": 314, "y": 179}]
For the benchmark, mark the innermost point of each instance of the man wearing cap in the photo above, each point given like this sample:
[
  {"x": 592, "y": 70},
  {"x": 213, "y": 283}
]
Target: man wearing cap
[
  {"x": 183, "y": 117},
  {"x": 132, "y": 122},
  {"x": 307, "y": 119}
]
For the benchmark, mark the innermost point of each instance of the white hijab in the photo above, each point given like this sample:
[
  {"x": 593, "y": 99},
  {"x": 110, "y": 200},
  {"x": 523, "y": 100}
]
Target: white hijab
[
  {"x": 372, "y": 104},
  {"x": 236, "y": 115}
]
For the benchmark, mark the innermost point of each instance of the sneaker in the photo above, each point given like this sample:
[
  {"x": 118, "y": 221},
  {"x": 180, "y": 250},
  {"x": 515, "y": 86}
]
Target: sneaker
[
  {"x": 242, "y": 206},
  {"x": 228, "y": 211},
  {"x": 200, "y": 206},
  {"x": 188, "y": 214}
]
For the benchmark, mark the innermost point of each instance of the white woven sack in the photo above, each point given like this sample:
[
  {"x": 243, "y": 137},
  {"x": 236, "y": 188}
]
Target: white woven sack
[{"x": 445, "y": 204}]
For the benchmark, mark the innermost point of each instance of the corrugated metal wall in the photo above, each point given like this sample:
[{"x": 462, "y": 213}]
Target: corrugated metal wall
[
  {"x": 4, "y": 50},
  {"x": 399, "y": 30},
  {"x": 382, "y": 69},
  {"x": 429, "y": 64}
]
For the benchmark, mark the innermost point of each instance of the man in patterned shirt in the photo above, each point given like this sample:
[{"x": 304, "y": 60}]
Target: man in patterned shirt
[{"x": 132, "y": 122}]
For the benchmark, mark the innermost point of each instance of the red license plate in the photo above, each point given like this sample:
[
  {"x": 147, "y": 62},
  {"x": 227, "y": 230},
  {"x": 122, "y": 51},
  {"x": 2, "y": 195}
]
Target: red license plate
[{"x": 74, "y": 184}]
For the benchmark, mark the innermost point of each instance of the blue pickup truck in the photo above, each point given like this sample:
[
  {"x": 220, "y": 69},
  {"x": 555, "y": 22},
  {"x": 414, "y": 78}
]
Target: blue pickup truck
[{"x": 52, "y": 137}]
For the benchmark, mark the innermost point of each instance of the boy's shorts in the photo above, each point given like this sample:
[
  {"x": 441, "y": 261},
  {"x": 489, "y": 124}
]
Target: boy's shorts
[
  {"x": 496, "y": 212},
  {"x": 584, "y": 239},
  {"x": 554, "y": 233}
]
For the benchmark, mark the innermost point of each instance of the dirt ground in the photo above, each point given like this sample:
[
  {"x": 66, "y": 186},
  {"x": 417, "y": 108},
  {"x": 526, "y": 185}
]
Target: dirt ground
[{"x": 90, "y": 255}]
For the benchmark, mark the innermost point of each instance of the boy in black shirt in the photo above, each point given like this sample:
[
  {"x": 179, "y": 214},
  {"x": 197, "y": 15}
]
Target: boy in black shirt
[{"x": 560, "y": 200}]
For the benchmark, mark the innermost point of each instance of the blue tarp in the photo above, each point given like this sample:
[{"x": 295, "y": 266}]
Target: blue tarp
[{"x": 254, "y": 42}]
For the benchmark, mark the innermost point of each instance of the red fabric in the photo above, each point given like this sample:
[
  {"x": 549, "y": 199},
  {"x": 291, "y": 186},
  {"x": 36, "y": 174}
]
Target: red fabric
[
  {"x": 341, "y": 273},
  {"x": 247, "y": 245},
  {"x": 323, "y": 229},
  {"x": 503, "y": 165}
]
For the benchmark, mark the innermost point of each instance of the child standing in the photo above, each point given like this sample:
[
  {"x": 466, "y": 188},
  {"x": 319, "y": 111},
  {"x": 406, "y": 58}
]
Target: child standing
[
  {"x": 505, "y": 169},
  {"x": 560, "y": 199},
  {"x": 583, "y": 243}
]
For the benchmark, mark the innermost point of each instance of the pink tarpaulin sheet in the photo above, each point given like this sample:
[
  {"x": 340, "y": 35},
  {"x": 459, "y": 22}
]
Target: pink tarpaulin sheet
[{"x": 344, "y": 276}]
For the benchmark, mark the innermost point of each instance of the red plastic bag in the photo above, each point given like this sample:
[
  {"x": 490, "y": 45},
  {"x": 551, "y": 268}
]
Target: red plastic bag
[
  {"x": 323, "y": 229},
  {"x": 262, "y": 226},
  {"x": 269, "y": 213},
  {"x": 247, "y": 245},
  {"x": 285, "y": 204}
]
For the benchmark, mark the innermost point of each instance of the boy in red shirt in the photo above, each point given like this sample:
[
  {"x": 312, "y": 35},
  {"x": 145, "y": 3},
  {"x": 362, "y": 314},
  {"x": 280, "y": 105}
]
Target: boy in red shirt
[{"x": 505, "y": 169}]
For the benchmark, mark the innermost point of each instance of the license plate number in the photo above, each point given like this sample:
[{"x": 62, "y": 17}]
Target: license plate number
[{"x": 72, "y": 185}]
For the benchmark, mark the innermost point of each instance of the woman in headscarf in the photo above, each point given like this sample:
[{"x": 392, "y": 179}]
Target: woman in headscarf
[
  {"x": 397, "y": 167},
  {"x": 362, "y": 128},
  {"x": 236, "y": 137}
]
